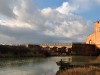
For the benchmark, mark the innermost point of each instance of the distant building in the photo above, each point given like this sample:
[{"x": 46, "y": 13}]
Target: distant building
[{"x": 95, "y": 37}]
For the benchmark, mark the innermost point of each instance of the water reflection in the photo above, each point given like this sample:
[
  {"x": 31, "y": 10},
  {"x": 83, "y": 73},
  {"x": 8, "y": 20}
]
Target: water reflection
[
  {"x": 85, "y": 58},
  {"x": 28, "y": 66},
  {"x": 37, "y": 66}
]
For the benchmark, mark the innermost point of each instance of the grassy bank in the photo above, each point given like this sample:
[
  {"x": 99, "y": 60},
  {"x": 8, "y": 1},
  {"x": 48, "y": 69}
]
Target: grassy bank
[{"x": 91, "y": 70}]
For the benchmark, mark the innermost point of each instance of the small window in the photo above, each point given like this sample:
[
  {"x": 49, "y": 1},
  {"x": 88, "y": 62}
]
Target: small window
[
  {"x": 98, "y": 29},
  {"x": 97, "y": 21},
  {"x": 90, "y": 41}
]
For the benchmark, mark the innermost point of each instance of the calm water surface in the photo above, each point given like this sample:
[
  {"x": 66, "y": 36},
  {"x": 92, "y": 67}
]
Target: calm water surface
[{"x": 38, "y": 66}]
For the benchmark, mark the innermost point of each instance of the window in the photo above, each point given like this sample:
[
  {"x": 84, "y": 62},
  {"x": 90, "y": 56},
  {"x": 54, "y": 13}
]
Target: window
[
  {"x": 90, "y": 41},
  {"x": 98, "y": 29}
]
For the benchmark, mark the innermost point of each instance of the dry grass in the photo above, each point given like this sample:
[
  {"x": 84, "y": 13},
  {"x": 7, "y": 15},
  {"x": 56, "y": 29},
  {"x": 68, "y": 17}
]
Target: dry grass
[{"x": 91, "y": 70}]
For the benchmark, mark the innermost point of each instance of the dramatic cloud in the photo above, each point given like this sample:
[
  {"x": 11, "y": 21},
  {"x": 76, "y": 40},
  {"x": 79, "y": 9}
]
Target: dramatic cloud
[
  {"x": 6, "y": 8},
  {"x": 23, "y": 23}
]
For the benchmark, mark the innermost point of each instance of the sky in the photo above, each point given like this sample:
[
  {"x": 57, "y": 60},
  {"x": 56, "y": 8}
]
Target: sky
[{"x": 47, "y": 21}]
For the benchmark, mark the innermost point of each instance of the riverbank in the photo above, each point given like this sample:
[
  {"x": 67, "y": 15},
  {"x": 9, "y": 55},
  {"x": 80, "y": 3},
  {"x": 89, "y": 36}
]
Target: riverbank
[
  {"x": 33, "y": 50},
  {"x": 30, "y": 50},
  {"x": 22, "y": 51},
  {"x": 90, "y": 70}
]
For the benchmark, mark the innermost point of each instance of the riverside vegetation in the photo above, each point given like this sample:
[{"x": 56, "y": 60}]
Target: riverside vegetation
[
  {"x": 90, "y": 70},
  {"x": 37, "y": 50},
  {"x": 22, "y": 51}
]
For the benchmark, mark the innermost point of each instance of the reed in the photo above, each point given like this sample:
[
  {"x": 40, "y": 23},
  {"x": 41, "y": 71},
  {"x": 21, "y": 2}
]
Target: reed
[{"x": 91, "y": 70}]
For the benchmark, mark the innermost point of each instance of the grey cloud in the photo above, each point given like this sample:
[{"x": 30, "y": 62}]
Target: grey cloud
[
  {"x": 6, "y": 8},
  {"x": 47, "y": 25}
]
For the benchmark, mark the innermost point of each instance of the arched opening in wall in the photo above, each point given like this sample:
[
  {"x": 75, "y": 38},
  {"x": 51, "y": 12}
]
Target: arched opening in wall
[
  {"x": 63, "y": 50},
  {"x": 54, "y": 49},
  {"x": 47, "y": 48},
  {"x": 90, "y": 41}
]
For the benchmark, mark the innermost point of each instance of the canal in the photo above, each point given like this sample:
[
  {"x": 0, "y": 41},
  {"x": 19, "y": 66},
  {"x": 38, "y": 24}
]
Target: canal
[{"x": 38, "y": 65}]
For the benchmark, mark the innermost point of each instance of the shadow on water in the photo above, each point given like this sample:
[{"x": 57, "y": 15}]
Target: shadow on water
[{"x": 85, "y": 58}]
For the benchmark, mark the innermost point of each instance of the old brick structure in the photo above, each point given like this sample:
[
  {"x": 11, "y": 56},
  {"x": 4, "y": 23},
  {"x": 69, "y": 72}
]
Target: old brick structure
[{"x": 95, "y": 37}]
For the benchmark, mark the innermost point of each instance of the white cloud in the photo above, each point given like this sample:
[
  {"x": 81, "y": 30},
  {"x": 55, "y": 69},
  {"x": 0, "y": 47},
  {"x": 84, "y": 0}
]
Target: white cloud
[
  {"x": 65, "y": 8},
  {"x": 15, "y": 24},
  {"x": 46, "y": 25},
  {"x": 47, "y": 11},
  {"x": 66, "y": 29},
  {"x": 61, "y": 22}
]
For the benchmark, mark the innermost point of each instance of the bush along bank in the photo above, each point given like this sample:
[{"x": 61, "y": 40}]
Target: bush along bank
[{"x": 22, "y": 51}]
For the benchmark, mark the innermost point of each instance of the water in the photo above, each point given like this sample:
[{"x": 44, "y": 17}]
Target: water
[{"x": 38, "y": 66}]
